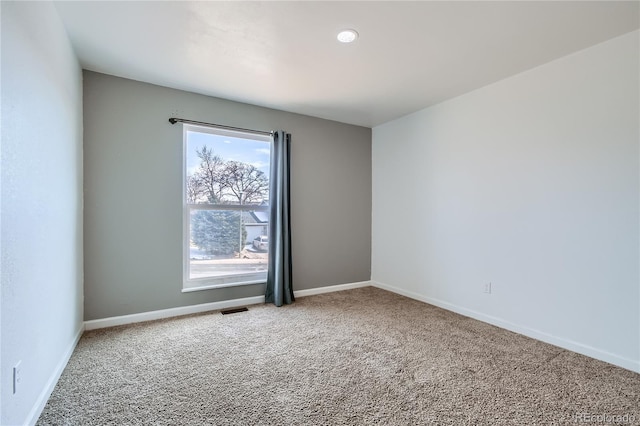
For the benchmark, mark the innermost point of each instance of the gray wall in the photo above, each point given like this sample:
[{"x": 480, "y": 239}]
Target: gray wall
[
  {"x": 531, "y": 184},
  {"x": 133, "y": 205},
  {"x": 41, "y": 179}
]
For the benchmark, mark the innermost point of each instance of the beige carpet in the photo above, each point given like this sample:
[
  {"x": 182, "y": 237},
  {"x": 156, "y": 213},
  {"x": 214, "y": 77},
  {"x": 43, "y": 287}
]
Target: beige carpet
[{"x": 363, "y": 356}]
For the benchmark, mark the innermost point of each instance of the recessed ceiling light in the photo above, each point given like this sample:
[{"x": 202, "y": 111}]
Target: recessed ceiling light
[{"x": 347, "y": 36}]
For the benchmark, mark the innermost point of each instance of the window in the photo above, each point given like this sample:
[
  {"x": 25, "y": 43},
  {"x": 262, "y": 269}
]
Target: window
[{"x": 226, "y": 207}]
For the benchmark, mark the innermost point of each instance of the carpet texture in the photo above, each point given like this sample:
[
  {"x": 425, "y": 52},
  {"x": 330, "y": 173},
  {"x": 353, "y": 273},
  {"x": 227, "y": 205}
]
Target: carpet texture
[{"x": 363, "y": 356}]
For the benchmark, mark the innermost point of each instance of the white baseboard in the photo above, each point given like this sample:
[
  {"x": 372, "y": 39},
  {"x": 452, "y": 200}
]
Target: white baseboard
[
  {"x": 331, "y": 288},
  {"x": 171, "y": 312},
  {"x": 35, "y": 412},
  {"x": 205, "y": 307},
  {"x": 571, "y": 345}
]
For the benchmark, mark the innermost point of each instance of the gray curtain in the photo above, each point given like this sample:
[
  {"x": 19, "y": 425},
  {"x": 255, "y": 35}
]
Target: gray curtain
[{"x": 279, "y": 286}]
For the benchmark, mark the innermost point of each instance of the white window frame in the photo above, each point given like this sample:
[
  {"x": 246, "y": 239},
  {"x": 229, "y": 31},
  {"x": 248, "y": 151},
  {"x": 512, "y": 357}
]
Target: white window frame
[{"x": 233, "y": 280}]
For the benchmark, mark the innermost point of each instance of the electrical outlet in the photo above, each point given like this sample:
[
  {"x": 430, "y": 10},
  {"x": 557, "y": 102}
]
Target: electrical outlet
[
  {"x": 17, "y": 376},
  {"x": 487, "y": 288}
]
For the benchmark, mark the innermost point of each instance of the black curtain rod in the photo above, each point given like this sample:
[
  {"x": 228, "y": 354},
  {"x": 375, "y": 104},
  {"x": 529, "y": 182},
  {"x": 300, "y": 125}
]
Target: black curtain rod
[{"x": 174, "y": 120}]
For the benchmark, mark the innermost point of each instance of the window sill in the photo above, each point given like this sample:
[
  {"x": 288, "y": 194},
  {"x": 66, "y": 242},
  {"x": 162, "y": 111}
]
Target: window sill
[{"x": 214, "y": 286}]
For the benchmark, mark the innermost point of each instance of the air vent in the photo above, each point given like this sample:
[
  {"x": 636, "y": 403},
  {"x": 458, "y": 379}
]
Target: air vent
[{"x": 234, "y": 311}]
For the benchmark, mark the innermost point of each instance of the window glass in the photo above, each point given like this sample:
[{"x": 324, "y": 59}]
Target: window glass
[{"x": 226, "y": 202}]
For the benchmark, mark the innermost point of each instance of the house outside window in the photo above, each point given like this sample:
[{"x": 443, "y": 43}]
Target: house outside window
[{"x": 226, "y": 208}]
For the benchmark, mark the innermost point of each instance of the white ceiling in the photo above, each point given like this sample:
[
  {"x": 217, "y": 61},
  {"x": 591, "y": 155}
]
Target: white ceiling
[{"x": 284, "y": 55}]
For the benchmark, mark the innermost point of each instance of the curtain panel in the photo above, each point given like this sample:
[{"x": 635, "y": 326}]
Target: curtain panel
[{"x": 279, "y": 290}]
